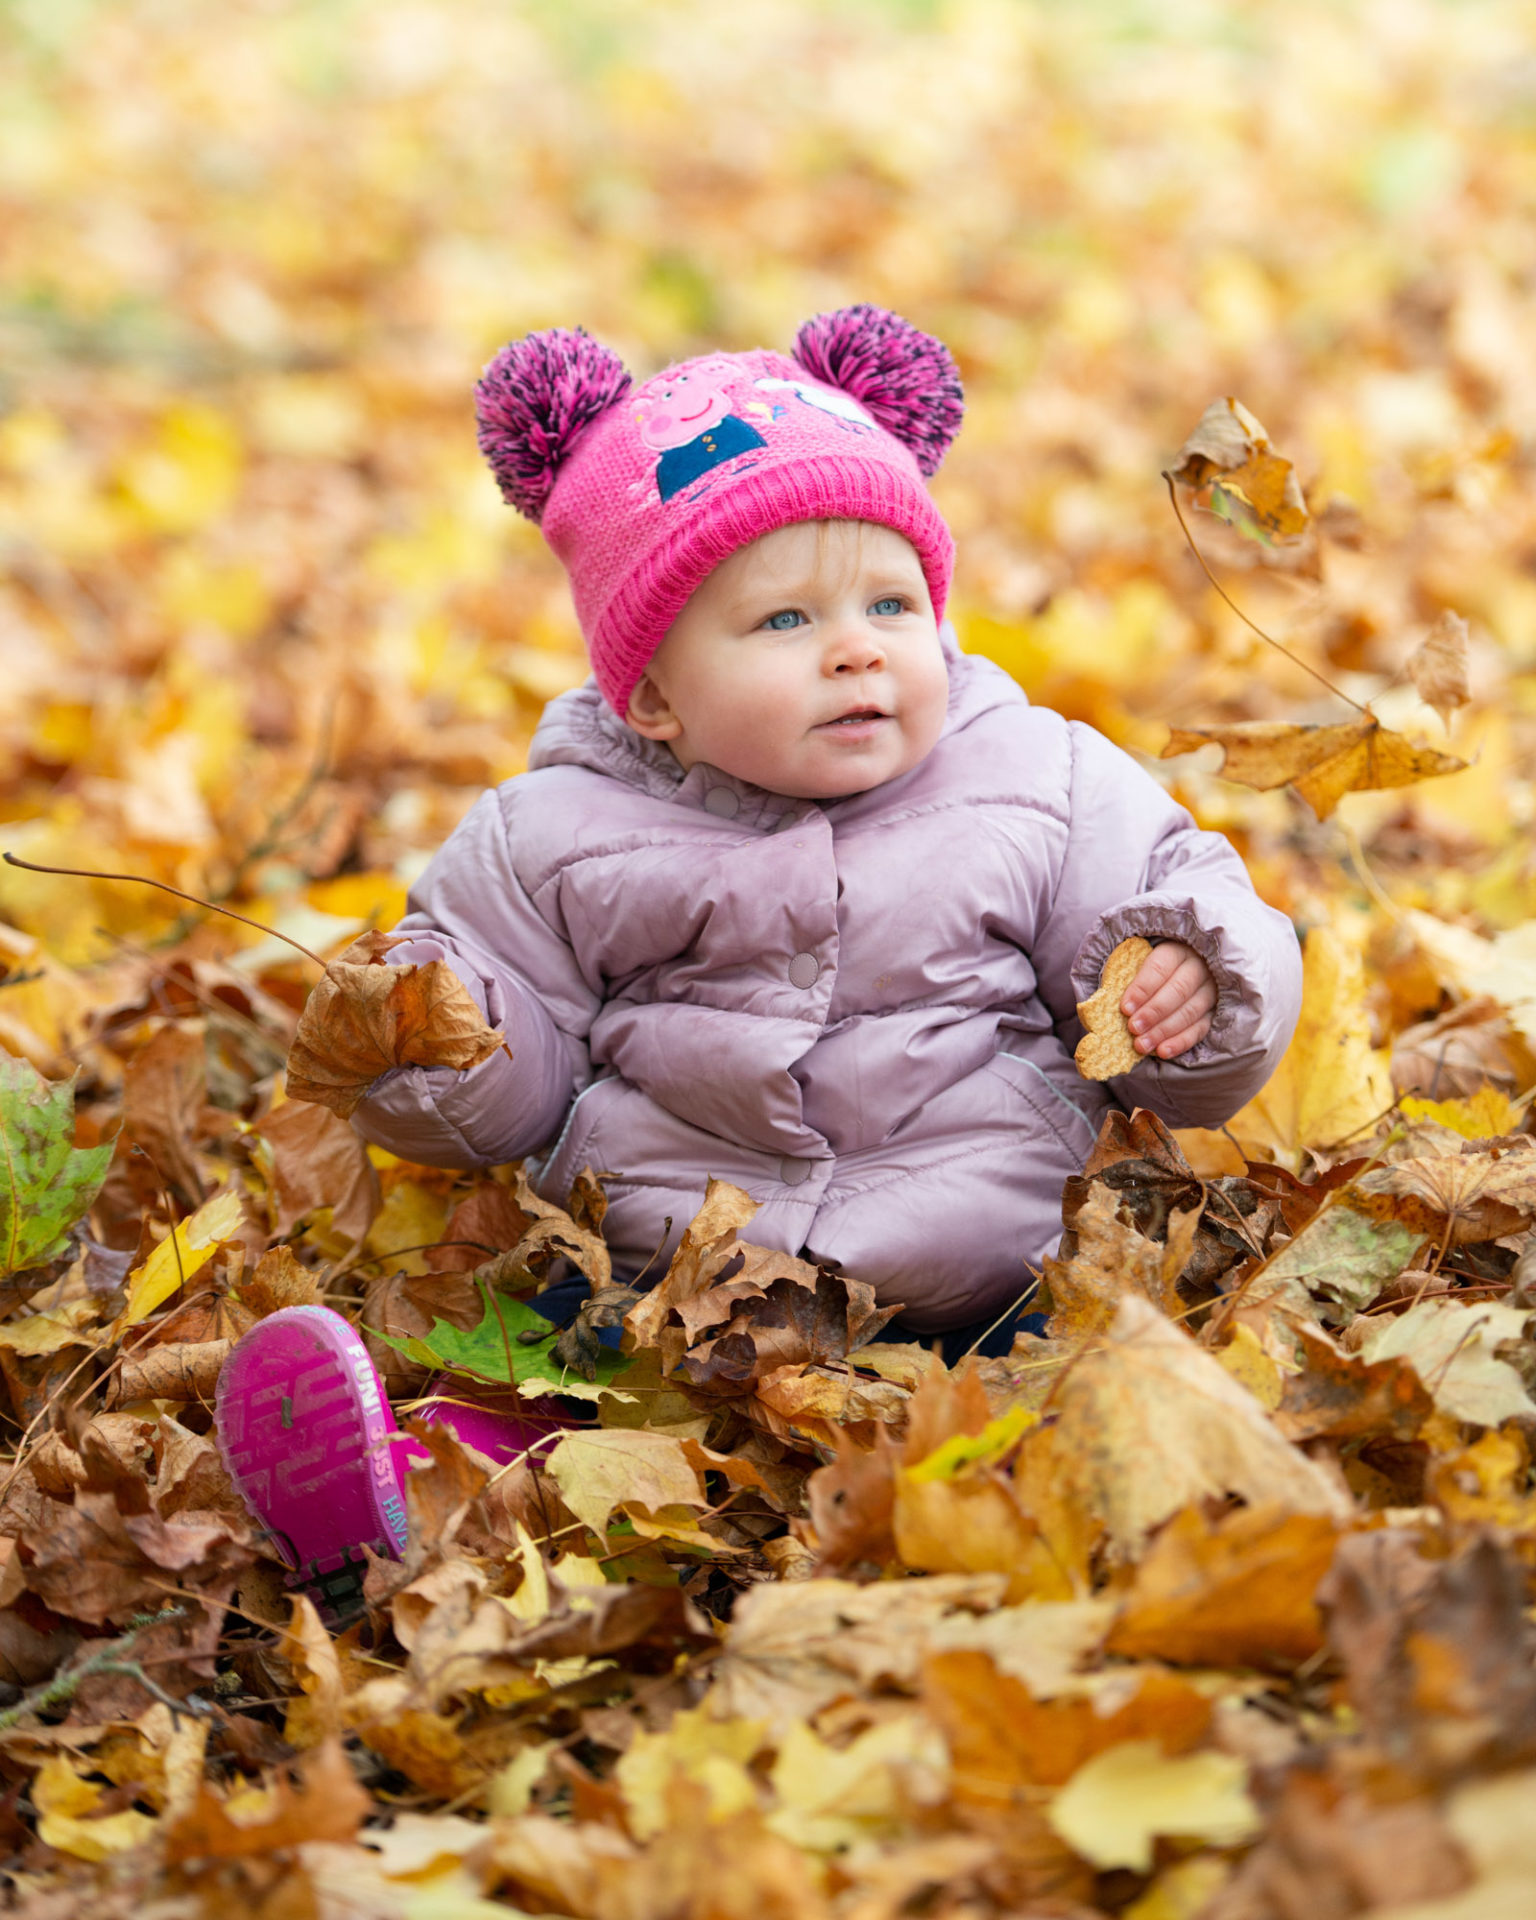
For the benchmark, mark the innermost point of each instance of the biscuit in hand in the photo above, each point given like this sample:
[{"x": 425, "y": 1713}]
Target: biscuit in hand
[{"x": 1107, "y": 1047}]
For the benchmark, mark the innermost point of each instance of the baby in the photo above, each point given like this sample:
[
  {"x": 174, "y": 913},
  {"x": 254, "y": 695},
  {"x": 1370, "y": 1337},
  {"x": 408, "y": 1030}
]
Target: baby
[{"x": 795, "y": 893}]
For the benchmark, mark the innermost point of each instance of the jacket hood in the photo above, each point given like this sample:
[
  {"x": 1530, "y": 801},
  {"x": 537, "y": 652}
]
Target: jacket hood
[{"x": 580, "y": 729}]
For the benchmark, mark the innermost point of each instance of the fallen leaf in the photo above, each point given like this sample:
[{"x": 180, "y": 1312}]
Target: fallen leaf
[
  {"x": 365, "y": 1016},
  {"x": 1113, "y": 1808},
  {"x": 93, "y": 1562},
  {"x": 1323, "y": 763},
  {"x": 1237, "y": 1592},
  {"x": 327, "y": 1804},
  {"x": 1437, "y": 1652},
  {"x": 1340, "y": 1255},
  {"x": 792, "y": 1648},
  {"x": 492, "y": 1349},
  {"x": 165, "y": 1086},
  {"x": 1503, "y": 968},
  {"x": 834, "y": 1798},
  {"x": 318, "y": 1160},
  {"x": 1111, "y": 1260},
  {"x": 51, "y": 1331},
  {"x": 599, "y": 1471},
  {"x": 1438, "y": 666},
  {"x": 1479, "y": 1194},
  {"x": 706, "y": 1248},
  {"x": 1482, "y": 1115},
  {"x": 279, "y": 1280},
  {"x": 1332, "y": 1084},
  {"x": 174, "y": 1370},
  {"x": 65, "y": 1803},
  {"x": 1149, "y": 1423},
  {"x": 183, "y": 1253},
  {"x": 711, "y": 1753},
  {"x": 1348, "y": 1397},
  {"x": 1229, "y": 451},
  {"x": 1451, "y": 1347},
  {"x": 1002, "y": 1740},
  {"x": 46, "y": 1182}
]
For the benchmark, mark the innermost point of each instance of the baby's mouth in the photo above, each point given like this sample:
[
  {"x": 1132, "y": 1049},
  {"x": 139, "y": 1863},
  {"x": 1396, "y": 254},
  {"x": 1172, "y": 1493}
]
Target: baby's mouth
[{"x": 859, "y": 717}]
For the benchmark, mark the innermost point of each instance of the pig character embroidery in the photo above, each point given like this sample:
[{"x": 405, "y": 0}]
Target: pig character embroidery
[{"x": 687, "y": 418}]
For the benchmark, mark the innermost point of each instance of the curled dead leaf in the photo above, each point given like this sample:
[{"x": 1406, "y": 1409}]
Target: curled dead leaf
[
  {"x": 176, "y": 1370},
  {"x": 366, "y": 1016},
  {"x": 1438, "y": 666},
  {"x": 1229, "y": 452}
]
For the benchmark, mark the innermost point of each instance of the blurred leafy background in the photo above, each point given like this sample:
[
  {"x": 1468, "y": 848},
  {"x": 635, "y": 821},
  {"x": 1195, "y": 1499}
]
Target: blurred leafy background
[{"x": 266, "y": 628}]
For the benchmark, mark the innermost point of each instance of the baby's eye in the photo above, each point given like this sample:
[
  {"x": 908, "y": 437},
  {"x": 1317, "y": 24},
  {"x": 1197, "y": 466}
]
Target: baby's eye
[
  {"x": 784, "y": 621},
  {"x": 889, "y": 607}
]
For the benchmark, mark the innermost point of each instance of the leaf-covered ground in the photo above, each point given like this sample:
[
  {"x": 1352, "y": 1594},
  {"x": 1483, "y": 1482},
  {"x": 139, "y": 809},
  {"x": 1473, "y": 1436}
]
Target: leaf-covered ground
[{"x": 1213, "y": 1600}]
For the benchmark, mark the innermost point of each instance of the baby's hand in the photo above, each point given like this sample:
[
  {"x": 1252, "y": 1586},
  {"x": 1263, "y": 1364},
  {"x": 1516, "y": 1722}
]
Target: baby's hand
[{"x": 1170, "y": 1002}]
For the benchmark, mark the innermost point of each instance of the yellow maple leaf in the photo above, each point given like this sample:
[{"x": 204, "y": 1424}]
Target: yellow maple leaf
[
  {"x": 1112, "y": 1808},
  {"x": 1321, "y": 763},
  {"x": 185, "y": 1252},
  {"x": 1332, "y": 1083}
]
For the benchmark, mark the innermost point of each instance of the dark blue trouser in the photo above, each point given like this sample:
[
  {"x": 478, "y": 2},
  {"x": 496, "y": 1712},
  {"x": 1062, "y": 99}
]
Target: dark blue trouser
[{"x": 559, "y": 1303}]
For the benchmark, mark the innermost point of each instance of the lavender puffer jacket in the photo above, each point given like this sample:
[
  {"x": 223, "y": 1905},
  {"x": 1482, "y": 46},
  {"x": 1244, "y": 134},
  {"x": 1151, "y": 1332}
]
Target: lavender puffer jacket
[{"x": 861, "y": 1011}]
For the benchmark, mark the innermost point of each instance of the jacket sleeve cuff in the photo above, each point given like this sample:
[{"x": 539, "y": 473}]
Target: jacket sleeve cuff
[
  {"x": 1156, "y": 920},
  {"x": 490, "y": 1114}
]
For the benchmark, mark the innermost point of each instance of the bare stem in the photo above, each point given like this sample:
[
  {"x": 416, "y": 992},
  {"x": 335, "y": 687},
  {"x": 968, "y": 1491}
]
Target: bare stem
[
  {"x": 143, "y": 880},
  {"x": 1295, "y": 659}
]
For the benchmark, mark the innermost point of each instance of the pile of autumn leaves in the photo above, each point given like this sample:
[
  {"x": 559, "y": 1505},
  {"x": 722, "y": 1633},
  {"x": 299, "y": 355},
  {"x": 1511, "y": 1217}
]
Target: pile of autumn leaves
[{"x": 1222, "y": 1587}]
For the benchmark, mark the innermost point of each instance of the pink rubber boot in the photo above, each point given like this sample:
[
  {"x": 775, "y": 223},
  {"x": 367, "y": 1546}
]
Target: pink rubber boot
[{"x": 310, "y": 1442}]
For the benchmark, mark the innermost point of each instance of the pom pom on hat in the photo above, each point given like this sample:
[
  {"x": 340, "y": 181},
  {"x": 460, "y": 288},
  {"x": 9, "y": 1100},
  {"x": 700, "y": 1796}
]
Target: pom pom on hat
[
  {"x": 904, "y": 377},
  {"x": 532, "y": 402}
]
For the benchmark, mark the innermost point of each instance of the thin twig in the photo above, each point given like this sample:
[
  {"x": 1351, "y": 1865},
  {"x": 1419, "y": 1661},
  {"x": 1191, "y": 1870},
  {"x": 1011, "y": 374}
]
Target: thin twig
[
  {"x": 143, "y": 880},
  {"x": 1295, "y": 659},
  {"x": 62, "y": 1688}
]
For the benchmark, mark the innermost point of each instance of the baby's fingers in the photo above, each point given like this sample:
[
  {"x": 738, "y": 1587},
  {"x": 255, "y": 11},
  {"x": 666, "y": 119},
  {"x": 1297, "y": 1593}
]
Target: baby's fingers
[
  {"x": 1180, "y": 1028},
  {"x": 1155, "y": 972},
  {"x": 1151, "y": 997}
]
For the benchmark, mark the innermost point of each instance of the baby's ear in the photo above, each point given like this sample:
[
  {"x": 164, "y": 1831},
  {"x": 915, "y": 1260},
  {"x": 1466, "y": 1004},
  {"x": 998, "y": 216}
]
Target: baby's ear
[
  {"x": 903, "y": 376},
  {"x": 649, "y": 712},
  {"x": 532, "y": 402}
]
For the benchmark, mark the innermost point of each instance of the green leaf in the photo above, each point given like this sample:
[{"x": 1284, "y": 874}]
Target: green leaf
[
  {"x": 46, "y": 1181},
  {"x": 485, "y": 1349},
  {"x": 1345, "y": 1254}
]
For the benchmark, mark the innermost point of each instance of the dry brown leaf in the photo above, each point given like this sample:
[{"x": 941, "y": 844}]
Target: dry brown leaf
[
  {"x": 92, "y": 1561},
  {"x": 1438, "y": 666},
  {"x": 1477, "y": 1195},
  {"x": 1003, "y": 1738},
  {"x": 165, "y": 1086},
  {"x": 1233, "y": 1592},
  {"x": 365, "y": 1016},
  {"x": 279, "y": 1280},
  {"x": 707, "y": 1247},
  {"x": 791, "y": 1649},
  {"x": 1107, "y": 1048},
  {"x": 1230, "y": 449},
  {"x": 1110, "y": 1261},
  {"x": 1322, "y": 763},
  {"x": 327, "y": 1804},
  {"x": 319, "y": 1161},
  {"x": 174, "y": 1370},
  {"x": 1346, "y": 1396},
  {"x": 1151, "y": 1423}
]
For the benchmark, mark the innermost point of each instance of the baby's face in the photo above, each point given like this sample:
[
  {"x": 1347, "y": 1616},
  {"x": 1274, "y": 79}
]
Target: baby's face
[{"x": 807, "y": 663}]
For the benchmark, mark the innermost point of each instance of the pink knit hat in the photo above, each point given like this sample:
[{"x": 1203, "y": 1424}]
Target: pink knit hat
[{"x": 642, "y": 492}]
